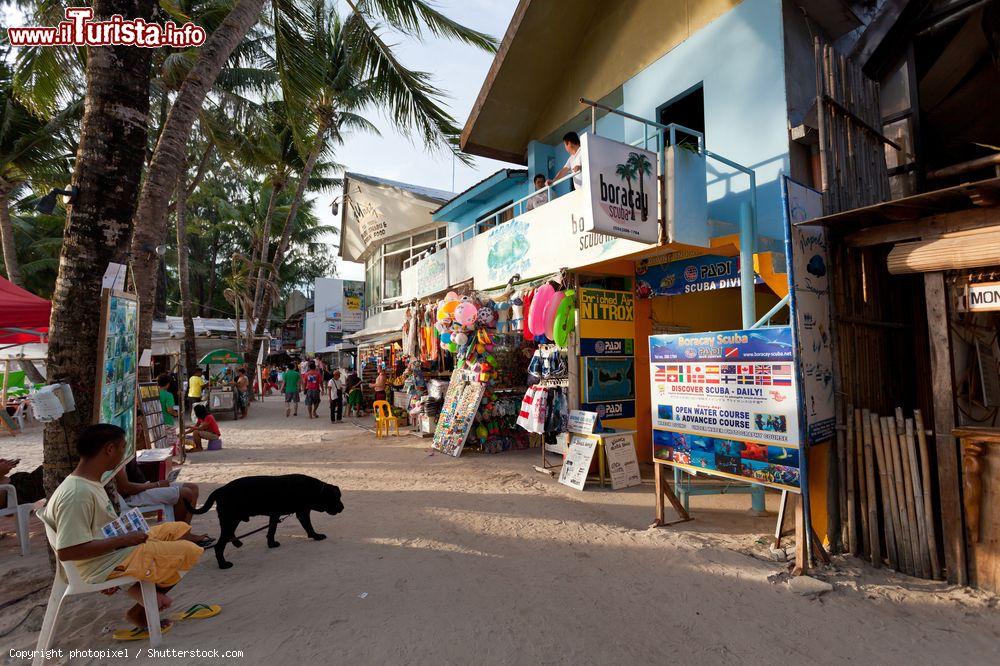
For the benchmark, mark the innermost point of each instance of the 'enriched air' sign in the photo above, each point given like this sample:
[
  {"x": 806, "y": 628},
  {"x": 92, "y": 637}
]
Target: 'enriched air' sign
[{"x": 622, "y": 189}]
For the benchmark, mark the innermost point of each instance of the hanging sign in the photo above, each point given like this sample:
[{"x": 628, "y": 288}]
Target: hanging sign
[
  {"x": 577, "y": 464},
  {"x": 353, "y": 317},
  {"x": 688, "y": 276},
  {"x": 726, "y": 403},
  {"x": 622, "y": 462},
  {"x": 621, "y": 182},
  {"x": 981, "y": 297}
]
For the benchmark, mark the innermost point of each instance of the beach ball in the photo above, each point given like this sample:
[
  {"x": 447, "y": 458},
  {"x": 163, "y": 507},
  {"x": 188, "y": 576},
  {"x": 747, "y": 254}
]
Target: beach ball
[
  {"x": 451, "y": 296},
  {"x": 465, "y": 314},
  {"x": 452, "y": 347},
  {"x": 445, "y": 338},
  {"x": 460, "y": 339},
  {"x": 447, "y": 311}
]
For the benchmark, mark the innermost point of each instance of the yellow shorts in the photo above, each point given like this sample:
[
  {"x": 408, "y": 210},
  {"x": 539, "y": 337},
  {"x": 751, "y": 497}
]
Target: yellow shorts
[{"x": 164, "y": 555}]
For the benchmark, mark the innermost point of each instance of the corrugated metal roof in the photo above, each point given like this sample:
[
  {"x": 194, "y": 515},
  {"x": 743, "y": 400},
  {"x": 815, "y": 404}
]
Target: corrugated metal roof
[{"x": 418, "y": 190}]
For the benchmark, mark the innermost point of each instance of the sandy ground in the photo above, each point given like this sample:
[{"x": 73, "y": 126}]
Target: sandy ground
[{"x": 446, "y": 561}]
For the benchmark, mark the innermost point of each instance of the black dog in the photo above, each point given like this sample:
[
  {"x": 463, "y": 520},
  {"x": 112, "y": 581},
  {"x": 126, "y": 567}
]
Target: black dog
[{"x": 272, "y": 496}]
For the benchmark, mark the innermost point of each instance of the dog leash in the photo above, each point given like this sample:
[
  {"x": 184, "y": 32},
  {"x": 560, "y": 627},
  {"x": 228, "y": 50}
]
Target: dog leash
[{"x": 260, "y": 529}]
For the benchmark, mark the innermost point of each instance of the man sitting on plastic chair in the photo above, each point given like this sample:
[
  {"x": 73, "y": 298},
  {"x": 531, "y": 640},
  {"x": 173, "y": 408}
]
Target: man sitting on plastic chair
[{"x": 78, "y": 511}]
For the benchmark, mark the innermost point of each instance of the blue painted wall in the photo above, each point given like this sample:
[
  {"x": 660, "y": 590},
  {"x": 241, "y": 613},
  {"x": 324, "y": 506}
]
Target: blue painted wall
[
  {"x": 478, "y": 202},
  {"x": 739, "y": 60}
]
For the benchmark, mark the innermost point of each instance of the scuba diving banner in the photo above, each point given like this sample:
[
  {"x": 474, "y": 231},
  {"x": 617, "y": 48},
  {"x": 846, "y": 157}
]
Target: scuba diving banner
[
  {"x": 687, "y": 276},
  {"x": 726, "y": 403}
]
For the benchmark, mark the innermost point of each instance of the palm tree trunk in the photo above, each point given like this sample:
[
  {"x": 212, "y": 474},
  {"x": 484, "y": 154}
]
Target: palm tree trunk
[
  {"x": 165, "y": 167},
  {"x": 7, "y": 240},
  {"x": 184, "y": 280},
  {"x": 265, "y": 242},
  {"x": 263, "y": 316},
  {"x": 109, "y": 164}
]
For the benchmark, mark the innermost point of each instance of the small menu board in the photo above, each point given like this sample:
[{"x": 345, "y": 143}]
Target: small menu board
[
  {"x": 622, "y": 461},
  {"x": 577, "y": 463}
]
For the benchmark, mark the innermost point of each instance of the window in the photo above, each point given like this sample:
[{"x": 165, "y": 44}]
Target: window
[
  {"x": 688, "y": 110},
  {"x": 492, "y": 219},
  {"x": 392, "y": 268},
  {"x": 425, "y": 238}
]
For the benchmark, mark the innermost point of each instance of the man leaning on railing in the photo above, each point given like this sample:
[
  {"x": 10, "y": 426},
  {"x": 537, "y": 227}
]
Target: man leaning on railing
[{"x": 574, "y": 165}]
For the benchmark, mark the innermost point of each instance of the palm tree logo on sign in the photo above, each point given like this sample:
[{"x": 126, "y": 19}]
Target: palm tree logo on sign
[{"x": 636, "y": 166}]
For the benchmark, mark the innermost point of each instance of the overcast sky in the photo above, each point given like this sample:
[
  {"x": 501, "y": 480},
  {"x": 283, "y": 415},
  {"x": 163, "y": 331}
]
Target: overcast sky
[{"x": 459, "y": 71}]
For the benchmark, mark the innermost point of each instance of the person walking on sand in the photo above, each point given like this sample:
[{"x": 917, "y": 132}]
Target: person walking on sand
[
  {"x": 290, "y": 382},
  {"x": 336, "y": 392},
  {"x": 313, "y": 384}
]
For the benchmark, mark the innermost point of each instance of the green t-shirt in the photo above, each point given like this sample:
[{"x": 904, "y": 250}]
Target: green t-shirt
[
  {"x": 77, "y": 511},
  {"x": 167, "y": 405},
  {"x": 292, "y": 378}
]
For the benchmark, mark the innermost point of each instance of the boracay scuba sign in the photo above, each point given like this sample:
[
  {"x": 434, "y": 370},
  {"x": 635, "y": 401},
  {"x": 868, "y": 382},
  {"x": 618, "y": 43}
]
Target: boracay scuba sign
[{"x": 621, "y": 180}]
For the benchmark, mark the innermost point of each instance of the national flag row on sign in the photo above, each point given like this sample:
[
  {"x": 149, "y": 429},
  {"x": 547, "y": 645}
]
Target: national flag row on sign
[{"x": 740, "y": 374}]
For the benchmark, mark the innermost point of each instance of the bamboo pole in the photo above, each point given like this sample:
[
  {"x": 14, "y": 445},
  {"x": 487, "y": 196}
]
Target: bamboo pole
[
  {"x": 873, "y": 530},
  {"x": 925, "y": 471},
  {"x": 918, "y": 500},
  {"x": 842, "y": 472},
  {"x": 851, "y": 539},
  {"x": 896, "y": 476},
  {"x": 862, "y": 449},
  {"x": 887, "y": 494},
  {"x": 911, "y": 510}
]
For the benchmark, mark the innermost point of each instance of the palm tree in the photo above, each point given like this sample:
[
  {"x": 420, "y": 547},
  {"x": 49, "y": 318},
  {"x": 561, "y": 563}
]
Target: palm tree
[
  {"x": 640, "y": 166},
  {"x": 108, "y": 169},
  {"x": 31, "y": 149},
  {"x": 626, "y": 172},
  {"x": 408, "y": 94}
]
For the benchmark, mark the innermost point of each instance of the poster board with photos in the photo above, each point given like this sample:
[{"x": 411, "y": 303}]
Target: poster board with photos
[
  {"x": 461, "y": 404},
  {"x": 726, "y": 403},
  {"x": 153, "y": 428},
  {"x": 117, "y": 370}
]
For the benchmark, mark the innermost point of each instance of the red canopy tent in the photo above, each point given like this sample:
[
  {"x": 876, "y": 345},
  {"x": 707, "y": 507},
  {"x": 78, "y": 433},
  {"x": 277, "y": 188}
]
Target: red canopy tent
[{"x": 24, "y": 317}]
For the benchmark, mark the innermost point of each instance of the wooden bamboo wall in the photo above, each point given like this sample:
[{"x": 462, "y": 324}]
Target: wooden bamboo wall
[{"x": 851, "y": 149}]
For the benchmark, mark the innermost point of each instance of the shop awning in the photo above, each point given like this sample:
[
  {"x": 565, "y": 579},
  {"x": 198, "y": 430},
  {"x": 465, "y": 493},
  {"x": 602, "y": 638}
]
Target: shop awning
[
  {"x": 24, "y": 317},
  {"x": 221, "y": 357},
  {"x": 918, "y": 215},
  {"x": 378, "y": 338},
  {"x": 339, "y": 347}
]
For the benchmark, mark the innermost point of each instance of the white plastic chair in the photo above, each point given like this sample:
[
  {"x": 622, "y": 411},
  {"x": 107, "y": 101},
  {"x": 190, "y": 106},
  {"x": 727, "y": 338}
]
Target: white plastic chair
[
  {"x": 21, "y": 513},
  {"x": 20, "y": 413},
  {"x": 166, "y": 509},
  {"x": 74, "y": 584}
]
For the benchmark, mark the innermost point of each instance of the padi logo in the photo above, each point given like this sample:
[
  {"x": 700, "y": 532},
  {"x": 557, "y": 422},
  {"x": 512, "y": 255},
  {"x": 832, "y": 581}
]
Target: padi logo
[
  {"x": 691, "y": 273},
  {"x": 611, "y": 410},
  {"x": 612, "y": 347},
  {"x": 718, "y": 269},
  {"x": 690, "y": 353}
]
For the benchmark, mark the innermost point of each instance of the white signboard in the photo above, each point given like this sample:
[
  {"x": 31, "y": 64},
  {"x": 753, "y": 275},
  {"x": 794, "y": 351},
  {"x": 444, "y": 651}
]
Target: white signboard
[
  {"x": 624, "y": 466},
  {"x": 621, "y": 184},
  {"x": 810, "y": 279},
  {"x": 982, "y": 297},
  {"x": 541, "y": 241},
  {"x": 577, "y": 463},
  {"x": 334, "y": 320},
  {"x": 427, "y": 276},
  {"x": 353, "y": 316},
  {"x": 582, "y": 422}
]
